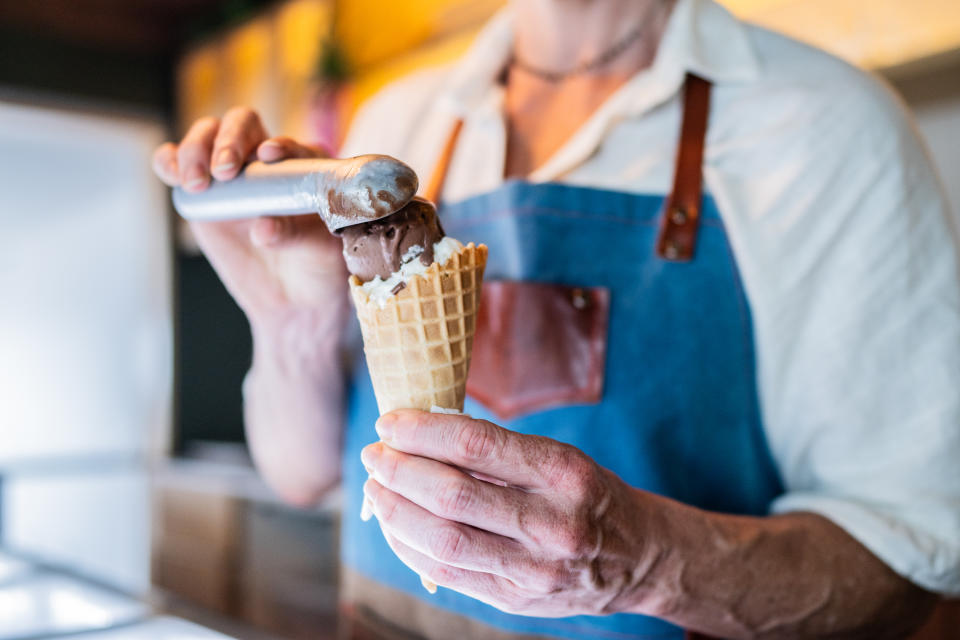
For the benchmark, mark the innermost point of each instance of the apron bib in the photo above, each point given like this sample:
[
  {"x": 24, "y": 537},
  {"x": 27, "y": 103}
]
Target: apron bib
[{"x": 641, "y": 356}]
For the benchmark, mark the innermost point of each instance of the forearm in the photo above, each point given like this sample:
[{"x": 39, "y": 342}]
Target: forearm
[
  {"x": 294, "y": 399},
  {"x": 790, "y": 576}
]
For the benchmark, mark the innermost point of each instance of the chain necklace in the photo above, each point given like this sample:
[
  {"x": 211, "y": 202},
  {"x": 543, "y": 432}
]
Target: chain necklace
[{"x": 602, "y": 60}]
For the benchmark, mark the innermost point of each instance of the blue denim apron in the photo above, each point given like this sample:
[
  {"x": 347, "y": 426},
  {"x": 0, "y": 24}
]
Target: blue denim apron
[{"x": 679, "y": 412}]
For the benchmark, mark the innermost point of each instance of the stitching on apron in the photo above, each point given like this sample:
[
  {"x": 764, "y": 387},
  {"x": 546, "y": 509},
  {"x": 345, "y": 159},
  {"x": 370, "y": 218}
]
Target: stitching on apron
[{"x": 536, "y": 212}]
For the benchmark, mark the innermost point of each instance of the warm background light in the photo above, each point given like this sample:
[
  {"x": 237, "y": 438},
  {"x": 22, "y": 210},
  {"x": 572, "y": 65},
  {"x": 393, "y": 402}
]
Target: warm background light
[
  {"x": 871, "y": 33},
  {"x": 274, "y": 61}
]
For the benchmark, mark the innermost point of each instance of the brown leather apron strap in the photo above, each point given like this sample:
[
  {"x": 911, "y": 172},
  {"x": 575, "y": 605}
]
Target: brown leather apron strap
[
  {"x": 681, "y": 215},
  {"x": 434, "y": 188}
]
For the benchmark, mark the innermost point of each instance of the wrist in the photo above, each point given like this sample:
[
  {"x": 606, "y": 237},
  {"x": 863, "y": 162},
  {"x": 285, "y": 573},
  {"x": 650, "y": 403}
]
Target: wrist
[
  {"x": 304, "y": 342},
  {"x": 663, "y": 531}
]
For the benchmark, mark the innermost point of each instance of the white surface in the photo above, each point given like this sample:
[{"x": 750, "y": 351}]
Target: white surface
[
  {"x": 12, "y": 569},
  {"x": 48, "y": 605},
  {"x": 95, "y": 523},
  {"x": 840, "y": 233},
  {"x": 159, "y": 629},
  {"x": 85, "y": 336},
  {"x": 85, "y": 323}
]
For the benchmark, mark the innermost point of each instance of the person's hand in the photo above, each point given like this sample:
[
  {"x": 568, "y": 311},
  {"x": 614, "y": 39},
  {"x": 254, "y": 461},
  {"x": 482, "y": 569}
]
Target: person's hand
[
  {"x": 276, "y": 268},
  {"x": 526, "y": 524}
]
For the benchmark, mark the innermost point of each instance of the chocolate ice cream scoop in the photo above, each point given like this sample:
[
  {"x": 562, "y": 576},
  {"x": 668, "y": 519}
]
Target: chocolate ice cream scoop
[{"x": 377, "y": 248}]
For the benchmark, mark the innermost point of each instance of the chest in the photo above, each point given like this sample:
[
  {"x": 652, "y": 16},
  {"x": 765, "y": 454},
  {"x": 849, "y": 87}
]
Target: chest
[{"x": 541, "y": 117}]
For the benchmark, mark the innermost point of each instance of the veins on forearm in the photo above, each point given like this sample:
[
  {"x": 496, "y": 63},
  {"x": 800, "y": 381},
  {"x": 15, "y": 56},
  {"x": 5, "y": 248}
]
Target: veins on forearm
[{"x": 797, "y": 575}]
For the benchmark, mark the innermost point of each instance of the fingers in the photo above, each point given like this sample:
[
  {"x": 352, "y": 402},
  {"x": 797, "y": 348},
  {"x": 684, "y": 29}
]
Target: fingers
[
  {"x": 165, "y": 164},
  {"x": 484, "y": 587},
  {"x": 193, "y": 154},
  {"x": 531, "y": 462},
  {"x": 240, "y": 132},
  {"x": 443, "y": 541},
  {"x": 220, "y": 148},
  {"x": 448, "y": 492},
  {"x": 282, "y": 147}
]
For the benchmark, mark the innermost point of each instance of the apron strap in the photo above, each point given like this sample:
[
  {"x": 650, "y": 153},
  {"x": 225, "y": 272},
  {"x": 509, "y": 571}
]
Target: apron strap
[
  {"x": 434, "y": 188},
  {"x": 681, "y": 215}
]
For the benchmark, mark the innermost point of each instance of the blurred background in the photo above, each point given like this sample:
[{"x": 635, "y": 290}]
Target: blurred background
[{"x": 126, "y": 493}]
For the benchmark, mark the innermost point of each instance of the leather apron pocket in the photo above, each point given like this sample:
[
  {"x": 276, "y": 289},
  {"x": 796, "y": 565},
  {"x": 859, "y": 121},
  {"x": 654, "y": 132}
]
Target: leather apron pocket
[{"x": 538, "y": 346}]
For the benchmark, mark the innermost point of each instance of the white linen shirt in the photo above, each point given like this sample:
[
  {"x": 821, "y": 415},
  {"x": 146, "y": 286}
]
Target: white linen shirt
[{"x": 841, "y": 233}]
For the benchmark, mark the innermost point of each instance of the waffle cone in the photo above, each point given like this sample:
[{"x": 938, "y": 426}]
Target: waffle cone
[{"x": 418, "y": 345}]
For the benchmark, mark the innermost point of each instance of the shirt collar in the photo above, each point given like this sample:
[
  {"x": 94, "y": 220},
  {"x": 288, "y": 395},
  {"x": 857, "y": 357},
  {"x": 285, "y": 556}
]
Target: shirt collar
[{"x": 701, "y": 38}]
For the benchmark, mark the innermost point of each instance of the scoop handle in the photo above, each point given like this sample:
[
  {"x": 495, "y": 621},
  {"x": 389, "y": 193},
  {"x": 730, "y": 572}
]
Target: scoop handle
[{"x": 343, "y": 191}]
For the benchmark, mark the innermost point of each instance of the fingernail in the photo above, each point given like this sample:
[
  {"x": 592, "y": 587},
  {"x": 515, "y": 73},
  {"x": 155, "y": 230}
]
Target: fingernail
[
  {"x": 226, "y": 160},
  {"x": 195, "y": 179},
  {"x": 429, "y": 586},
  {"x": 384, "y": 427},
  {"x": 366, "y": 511},
  {"x": 271, "y": 148},
  {"x": 369, "y": 456}
]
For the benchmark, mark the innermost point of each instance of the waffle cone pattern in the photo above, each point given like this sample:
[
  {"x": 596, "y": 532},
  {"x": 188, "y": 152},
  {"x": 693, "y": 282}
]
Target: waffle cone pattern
[{"x": 418, "y": 345}]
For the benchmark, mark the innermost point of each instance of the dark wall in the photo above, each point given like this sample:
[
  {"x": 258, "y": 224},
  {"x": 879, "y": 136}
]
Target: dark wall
[
  {"x": 72, "y": 73},
  {"x": 212, "y": 354}
]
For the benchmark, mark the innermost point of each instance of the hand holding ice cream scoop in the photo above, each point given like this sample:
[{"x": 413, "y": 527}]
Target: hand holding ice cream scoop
[{"x": 343, "y": 191}]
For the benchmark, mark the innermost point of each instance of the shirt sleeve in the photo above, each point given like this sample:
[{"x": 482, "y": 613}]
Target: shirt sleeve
[{"x": 849, "y": 255}]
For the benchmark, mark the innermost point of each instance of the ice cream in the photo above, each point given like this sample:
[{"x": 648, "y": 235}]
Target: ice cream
[
  {"x": 385, "y": 254},
  {"x": 416, "y": 293},
  {"x": 382, "y": 247}
]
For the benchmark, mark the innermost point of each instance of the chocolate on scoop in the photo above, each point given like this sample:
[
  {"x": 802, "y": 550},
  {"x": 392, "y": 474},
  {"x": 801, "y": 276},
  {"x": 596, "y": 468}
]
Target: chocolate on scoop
[{"x": 376, "y": 248}]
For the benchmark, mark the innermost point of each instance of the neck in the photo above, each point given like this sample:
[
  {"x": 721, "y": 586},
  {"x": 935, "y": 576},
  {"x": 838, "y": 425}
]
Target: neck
[{"x": 560, "y": 35}]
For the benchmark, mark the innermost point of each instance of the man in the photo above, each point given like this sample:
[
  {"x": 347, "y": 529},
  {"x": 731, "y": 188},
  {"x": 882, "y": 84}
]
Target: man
[{"x": 754, "y": 430}]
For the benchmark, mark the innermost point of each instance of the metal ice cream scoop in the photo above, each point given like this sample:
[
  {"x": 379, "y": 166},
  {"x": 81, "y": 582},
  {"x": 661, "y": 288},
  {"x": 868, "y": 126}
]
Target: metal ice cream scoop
[{"x": 343, "y": 191}]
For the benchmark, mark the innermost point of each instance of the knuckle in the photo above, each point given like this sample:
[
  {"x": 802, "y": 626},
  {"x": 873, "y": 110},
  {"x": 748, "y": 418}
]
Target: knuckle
[
  {"x": 190, "y": 149},
  {"x": 447, "y": 543},
  {"x": 573, "y": 540},
  {"x": 575, "y": 472},
  {"x": 475, "y": 442},
  {"x": 547, "y": 580},
  {"x": 455, "y": 498},
  {"x": 388, "y": 509},
  {"x": 240, "y": 114},
  {"x": 202, "y": 124},
  {"x": 388, "y": 467},
  {"x": 444, "y": 574}
]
